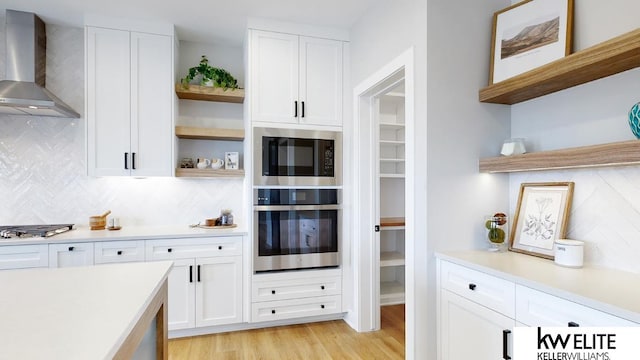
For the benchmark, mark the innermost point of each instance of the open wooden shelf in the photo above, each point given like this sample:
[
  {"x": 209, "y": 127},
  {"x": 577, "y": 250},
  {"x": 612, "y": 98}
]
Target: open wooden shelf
[
  {"x": 208, "y": 93},
  {"x": 607, "y": 58},
  {"x": 392, "y": 221},
  {"x": 611, "y": 154},
  {"x": 391, "y": 258},
  {"x": 209, "y": 173},
  {"x": 190, "y": 132}
]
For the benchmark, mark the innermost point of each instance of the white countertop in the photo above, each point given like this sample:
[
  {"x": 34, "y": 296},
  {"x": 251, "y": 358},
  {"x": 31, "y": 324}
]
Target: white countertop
[
  {"x": 612, "y": 291},
  {"x": 74, "y": 313},
  {"x": 83, "y": 234}
]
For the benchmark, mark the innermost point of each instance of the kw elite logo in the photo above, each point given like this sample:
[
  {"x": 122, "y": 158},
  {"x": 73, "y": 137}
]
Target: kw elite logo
[
  {"x": 577, "y": 346},
  {"x": 576, "y": 343}
]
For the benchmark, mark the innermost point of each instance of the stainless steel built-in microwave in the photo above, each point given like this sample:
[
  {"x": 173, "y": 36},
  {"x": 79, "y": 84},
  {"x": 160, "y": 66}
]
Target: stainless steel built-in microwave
[{"x": 297, "y": 157}]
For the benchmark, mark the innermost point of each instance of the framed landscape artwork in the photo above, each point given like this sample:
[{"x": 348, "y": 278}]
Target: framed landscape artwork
[
  {"x": 529, "y": 34},
  {"x": 541, "y": 217}
]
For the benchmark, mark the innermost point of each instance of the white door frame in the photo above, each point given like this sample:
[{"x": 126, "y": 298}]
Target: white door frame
[{"x": 365, "y": 314}]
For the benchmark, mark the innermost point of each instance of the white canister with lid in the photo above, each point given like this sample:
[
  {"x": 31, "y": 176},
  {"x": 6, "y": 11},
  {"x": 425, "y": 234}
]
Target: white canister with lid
[{"x": 569, "y": 253}]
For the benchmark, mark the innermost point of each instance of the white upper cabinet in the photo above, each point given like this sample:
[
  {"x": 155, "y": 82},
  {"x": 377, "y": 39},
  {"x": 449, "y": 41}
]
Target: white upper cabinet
[
  {"x": 129, "y": 103},
  {"x": 295, "y": 79}
]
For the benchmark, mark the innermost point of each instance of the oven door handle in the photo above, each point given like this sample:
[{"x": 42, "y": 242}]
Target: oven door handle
[{"x": 295, "y": 207}]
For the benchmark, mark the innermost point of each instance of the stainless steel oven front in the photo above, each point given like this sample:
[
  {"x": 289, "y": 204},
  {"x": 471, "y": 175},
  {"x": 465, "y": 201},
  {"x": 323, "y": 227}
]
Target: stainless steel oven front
[
  {"x": 293, "y": 157},
  {"x": 296, "y": 229}
]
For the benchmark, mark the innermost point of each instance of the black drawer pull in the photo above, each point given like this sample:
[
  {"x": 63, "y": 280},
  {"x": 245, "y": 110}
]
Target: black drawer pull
[
  {"x": 322, "y": 306},
  {"x": 472, "y": 287},
  {"x": 273, "y": 292},
  {"x": 573, "y": 324},
  {"x": 505, "y": 347},
  {"x": 119, "y": 252},
  {"x": 220, "y": 247},
  {"x": 169, "y": 250},
  {"x": 71, "y": 248},
  {"x": 273, "y": 311},
  {"x": 321, "y": 287}
]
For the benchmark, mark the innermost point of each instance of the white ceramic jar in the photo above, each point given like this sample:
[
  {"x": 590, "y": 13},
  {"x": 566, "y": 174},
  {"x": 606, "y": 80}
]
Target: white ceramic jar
[{"x": 569, "y": 253}]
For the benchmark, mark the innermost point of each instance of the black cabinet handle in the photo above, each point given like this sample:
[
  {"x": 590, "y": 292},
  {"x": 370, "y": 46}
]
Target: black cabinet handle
[
  {"x": 126, "y": 159},
  {"x": 190, "y": 273},
  {"x": 321, "y": 287},
  {"x": 573, "y": 324},
  {"x": 505, "y": 347},
  {"x": 169, "y": 250},
  {"x": 119, "y": 252},
  {"x": 322, "y": 306},
  {"x": 295, "y": 109},
  {"x": 220, "y": 247},
  {"x": 133, "y": 161},
  {"x": 198, "y": 273},
  {"x": 273, "y": 292},
  {"x": 303, "y": 109},
  {"x": 71, "y": 248},
  {"x": 273, "y": 311},
  {"x": 472, "y": 287}
]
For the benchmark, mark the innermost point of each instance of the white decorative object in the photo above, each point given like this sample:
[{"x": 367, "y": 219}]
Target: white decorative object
[
  {"x": 231, "y": 160},
  {"x": 569, "y": 253},
  {"x": 513, "y": 147}
]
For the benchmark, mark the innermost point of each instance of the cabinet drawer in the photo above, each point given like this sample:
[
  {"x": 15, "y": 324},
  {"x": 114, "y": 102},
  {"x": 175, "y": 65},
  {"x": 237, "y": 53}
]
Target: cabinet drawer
[
  {"x": 70, "y": 254},
  {"x": 536, "y": 308},
  {"x": 191, "y": 248},
  {"x": 295, "y": 288},
  {"x": 487, "y": 290},
  {"x": 24, "y": 256},
  {"x": 118, "y": 251},
  {"x": 295, "y": 308}
]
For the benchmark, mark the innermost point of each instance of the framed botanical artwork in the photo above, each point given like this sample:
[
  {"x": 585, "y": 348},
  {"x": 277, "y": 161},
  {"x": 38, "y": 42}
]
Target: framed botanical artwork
[
  {"x": 529, "y": 34},
  {"x": 541, "y": 217}
]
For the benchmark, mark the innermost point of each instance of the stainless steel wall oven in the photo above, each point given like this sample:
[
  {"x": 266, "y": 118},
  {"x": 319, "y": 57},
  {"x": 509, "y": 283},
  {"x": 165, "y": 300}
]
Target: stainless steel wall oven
[{"x": 296, "y": 229}]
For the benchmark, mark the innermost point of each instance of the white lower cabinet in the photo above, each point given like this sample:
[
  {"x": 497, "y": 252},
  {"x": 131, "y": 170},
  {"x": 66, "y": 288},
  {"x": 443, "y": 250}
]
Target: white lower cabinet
[
  {"x": 203, "y": 290},
  {"x": 298, "y": 294},
  {"x": 71, "y": 254},
  {"x": 24, "y": 256},
  {"x": 477, "y": 312},
  {"x": 471, "y": 331}
]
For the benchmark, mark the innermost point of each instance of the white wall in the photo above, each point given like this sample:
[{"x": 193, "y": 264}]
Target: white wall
[
  {"x": 451, "y": 47},
  {"x": 606, "y": 205},
  {"x": 42, "y": 162}
]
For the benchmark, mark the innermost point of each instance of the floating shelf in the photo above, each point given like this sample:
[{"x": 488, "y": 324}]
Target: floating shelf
[
  {"x": 611, "y": 154},
  {"x": 391, "y": 125},
  {"x": 209, "y": 173},
  {"x": 392, "y": 142},
  {"x": 392, "y": 160},
  {"x": 208, "y": 93},
  {"x": 605, "y": 59},
  {"x": 188, "y": 132},
  {"x": 392, "y": 221},
  {"x": 392, "y": 176}
]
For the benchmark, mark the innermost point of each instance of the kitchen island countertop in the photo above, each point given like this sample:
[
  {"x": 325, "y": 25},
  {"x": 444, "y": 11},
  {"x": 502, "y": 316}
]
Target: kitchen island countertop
[{"x": 97, "y": 312}]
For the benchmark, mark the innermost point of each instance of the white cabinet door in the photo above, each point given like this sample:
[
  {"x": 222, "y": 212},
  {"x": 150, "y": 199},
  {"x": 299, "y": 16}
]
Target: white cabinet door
[
  {"x": 471, "y": 331},
  {"x": 24, "y": 256},
  {"x": 73, "y": 254},
  {"x": 181, "y": 295},
  {"x": 274, "y": 77},
  {"x": 151, "y": 104},
  {"x": 218, "y": 291},
  {"x": 108, "y": 101},
  {"x": 320, "y": 82}
]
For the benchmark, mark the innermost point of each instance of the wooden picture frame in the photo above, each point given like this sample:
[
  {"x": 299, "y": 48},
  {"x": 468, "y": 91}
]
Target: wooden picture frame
[
  {"x": 529, "y": 34},
  {"x": 541, "y": 217}
]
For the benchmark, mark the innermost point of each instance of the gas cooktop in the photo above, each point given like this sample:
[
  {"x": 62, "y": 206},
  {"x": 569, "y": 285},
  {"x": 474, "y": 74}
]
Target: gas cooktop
[{"x": 26, "y": 231}]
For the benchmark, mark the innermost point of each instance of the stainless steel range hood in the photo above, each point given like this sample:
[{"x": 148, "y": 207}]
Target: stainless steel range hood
[{"x": 23, "y": 92}]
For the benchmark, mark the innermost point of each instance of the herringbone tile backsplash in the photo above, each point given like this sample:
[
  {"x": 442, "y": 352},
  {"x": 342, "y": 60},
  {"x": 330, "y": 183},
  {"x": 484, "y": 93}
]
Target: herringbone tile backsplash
[{"x": 42, "y": 163}]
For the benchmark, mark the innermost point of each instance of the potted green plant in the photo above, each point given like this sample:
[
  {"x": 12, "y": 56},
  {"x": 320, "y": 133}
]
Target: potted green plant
[{"x": 208, "y": 74}]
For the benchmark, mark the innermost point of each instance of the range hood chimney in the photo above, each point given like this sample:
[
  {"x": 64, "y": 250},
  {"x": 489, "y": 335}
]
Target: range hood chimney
[{"x": 23, "y": 92}]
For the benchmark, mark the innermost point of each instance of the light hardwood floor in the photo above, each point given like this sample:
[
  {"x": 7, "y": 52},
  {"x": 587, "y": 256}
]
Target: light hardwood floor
[{"x": 323, "y": 340}]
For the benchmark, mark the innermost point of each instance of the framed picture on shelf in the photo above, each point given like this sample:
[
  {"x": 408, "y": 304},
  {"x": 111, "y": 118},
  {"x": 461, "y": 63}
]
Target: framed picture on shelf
[
  {"x": 231, "y": 160},
  {"x": 529, "y": 34},
  {"x": 541, "y": 217}
]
